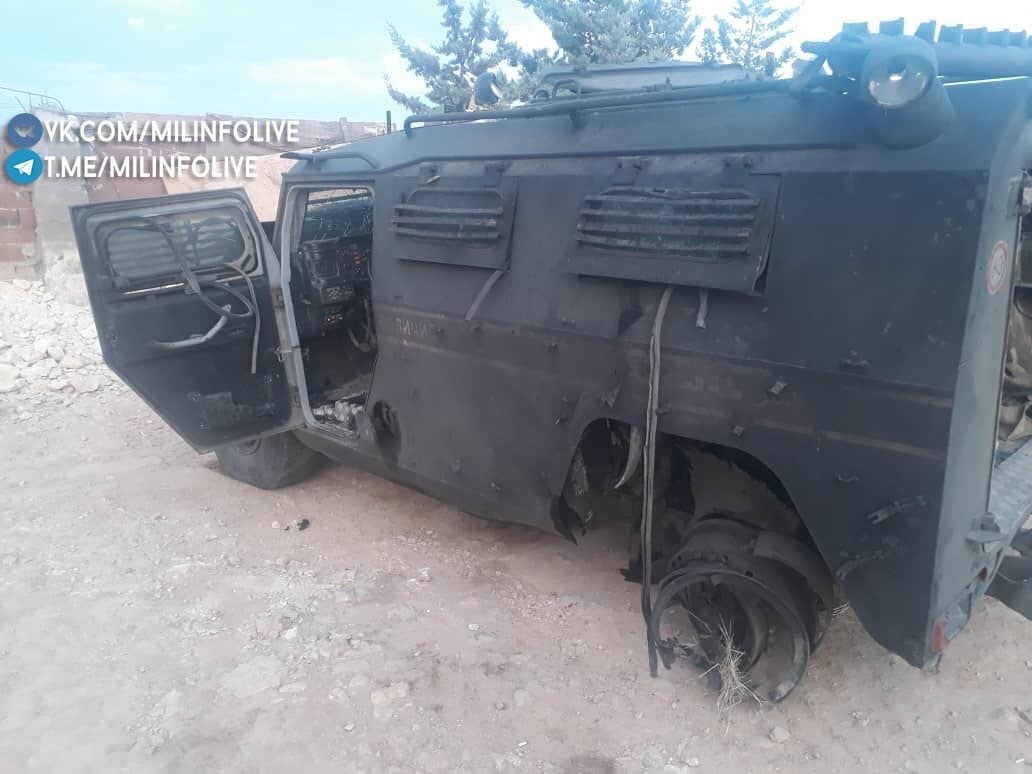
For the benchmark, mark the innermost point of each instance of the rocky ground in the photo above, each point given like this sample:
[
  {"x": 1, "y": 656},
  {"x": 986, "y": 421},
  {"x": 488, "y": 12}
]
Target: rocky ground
[
  {"x": 154, "y": 619},
  {"x": 49, "y": 353}
]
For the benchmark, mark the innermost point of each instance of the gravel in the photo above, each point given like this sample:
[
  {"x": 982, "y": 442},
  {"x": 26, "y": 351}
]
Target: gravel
[{"x": 49, "y": 353}]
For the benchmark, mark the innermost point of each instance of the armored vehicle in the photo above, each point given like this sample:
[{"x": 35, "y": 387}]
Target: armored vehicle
[{"x": 778, "y": 327}]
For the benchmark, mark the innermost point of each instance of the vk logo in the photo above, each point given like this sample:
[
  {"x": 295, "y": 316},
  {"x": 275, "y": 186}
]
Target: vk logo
[
  {"x": 23, "y": 166},
  {"x": 24, "y": 130}
]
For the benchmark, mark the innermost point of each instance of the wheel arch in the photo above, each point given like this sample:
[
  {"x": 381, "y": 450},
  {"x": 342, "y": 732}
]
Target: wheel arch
[{"x": 742, "y": 453}]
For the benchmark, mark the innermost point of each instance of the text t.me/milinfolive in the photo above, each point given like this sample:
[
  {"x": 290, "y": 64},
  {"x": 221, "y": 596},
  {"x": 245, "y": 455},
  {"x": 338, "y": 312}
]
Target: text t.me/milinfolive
[{"x": 141, "y": 167}]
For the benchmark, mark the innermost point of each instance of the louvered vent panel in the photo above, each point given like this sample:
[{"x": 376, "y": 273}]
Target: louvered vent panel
[
  {"x": 136, "y": 252},
  {"x": 457, "y": 220},
  {"x": 698, "y": 225},
  {"x": 708, "y": 236},
  {"x": 467, "y": 216}
]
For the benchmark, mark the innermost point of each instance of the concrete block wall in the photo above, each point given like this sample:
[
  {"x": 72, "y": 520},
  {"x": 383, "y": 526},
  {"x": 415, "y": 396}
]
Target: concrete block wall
[{"x": 55, "y": 240}]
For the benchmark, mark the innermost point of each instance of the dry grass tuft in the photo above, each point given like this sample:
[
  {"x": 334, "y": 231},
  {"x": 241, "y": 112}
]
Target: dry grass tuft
[{"x": 734, "y": 688}]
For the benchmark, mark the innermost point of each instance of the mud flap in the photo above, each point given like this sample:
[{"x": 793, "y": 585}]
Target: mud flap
[
  {"x": 1013, "y": 582},
  {"x": 1010, "y": 503}
]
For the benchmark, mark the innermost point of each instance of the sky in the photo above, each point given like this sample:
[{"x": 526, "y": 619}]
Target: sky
[{"x": 315, "y": 59}]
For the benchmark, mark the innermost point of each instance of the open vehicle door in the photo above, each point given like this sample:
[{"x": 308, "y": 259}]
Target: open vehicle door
[{"x": 182, "y": 294}]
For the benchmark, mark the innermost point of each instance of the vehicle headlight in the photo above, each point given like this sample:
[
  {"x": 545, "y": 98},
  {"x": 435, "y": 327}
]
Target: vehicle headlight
[
  {"x": 898, "y": 71},
  {"x": 899, "y": 81}
]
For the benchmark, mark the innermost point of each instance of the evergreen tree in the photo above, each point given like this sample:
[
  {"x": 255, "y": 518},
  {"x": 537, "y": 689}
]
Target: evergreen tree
[
  {"x": 585, "y": 31},
  {"x": 616, "y": 31},
  {"x": 449, "y": 69},
  {"x": 747, "y": 36}
]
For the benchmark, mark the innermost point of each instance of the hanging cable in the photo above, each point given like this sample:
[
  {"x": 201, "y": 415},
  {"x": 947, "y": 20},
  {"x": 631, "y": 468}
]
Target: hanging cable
[
  {"x": 257, "y": 315},
  {"x": 195, "y": 283},
  {"x": 649, "y": 476}
]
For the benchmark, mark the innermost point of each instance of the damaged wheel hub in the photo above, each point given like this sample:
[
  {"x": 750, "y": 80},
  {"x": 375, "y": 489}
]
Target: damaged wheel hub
[{"x": 737, "y": 614}]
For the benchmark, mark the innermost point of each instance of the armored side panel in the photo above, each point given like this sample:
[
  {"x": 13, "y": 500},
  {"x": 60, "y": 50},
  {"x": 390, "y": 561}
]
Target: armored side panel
[{"x": 837, "y": 313}]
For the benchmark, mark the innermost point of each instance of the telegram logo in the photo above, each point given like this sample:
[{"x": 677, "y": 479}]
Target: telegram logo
[
  {"x": 24, "y": 130},
  {"x": 23, "y": 166}
]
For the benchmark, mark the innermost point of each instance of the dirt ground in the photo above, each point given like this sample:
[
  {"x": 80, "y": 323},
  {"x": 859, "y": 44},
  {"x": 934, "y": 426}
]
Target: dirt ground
[{"x": 152, "y": 619}]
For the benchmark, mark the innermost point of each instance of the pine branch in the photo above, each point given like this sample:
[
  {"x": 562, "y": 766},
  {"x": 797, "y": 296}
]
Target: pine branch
[{"x": 412, "y": 104}]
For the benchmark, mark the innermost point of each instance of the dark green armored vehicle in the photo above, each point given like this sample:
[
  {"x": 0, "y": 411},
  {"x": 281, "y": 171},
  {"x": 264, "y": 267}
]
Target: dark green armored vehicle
[{"x": 780, "y": 328}]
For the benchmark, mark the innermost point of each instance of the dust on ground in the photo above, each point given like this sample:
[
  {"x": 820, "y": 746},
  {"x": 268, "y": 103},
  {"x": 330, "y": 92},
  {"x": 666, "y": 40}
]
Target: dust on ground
[{"x": 152, "y": 619}]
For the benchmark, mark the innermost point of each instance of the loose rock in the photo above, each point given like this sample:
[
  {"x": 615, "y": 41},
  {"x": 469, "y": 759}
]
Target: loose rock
[
  {"x": 392, "y": 692},
  {"x": 684, "y": 754},
  {"x": 780, "y": 735},
  {"x": 654, "y": 757},
  {"x": 403, "y": 613},
  {"x": 171, "y": 704},
  {"x": 262, "y": 673},
  {"x": 351, "y": 666},
  {"x": 268, "y": 627},
  {"x": 8, "y": 378},
  {"x": 30, "y": 356},
  {"x": 86, "y": 383}
]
